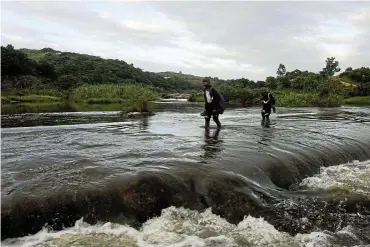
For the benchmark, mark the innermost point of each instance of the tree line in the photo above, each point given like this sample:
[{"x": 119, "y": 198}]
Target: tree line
[{"x": 25, "y": 71}]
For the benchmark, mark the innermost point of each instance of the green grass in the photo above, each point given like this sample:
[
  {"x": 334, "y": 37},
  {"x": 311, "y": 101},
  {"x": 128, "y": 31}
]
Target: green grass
[
  {"x": 33, "y": 107},
  {"x": 104, "y": 101},
  {"x": 30, "y": 98},
  {"x": 196, "y": 98},
  {"x": 133, "y": 97},
  {"x": 283, "y": 98},
  {"x": 31, "y": 85},
  {"x": 36, "y": 55},
  {"x": 137, "y": 107},
  {"x": 360, "y": 100},
  {"x": 307, "y": 99},
  {"x": 110, "y": 93},
  {"x": 345, "y": 79}
]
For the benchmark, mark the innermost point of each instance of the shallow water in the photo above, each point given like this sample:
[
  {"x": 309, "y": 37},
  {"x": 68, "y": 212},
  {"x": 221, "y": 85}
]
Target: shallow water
[{"x": 306, "y": 176}]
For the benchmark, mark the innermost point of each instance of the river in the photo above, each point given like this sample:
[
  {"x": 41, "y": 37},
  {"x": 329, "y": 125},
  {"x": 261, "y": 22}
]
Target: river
[{"x": 97, "y": 178}]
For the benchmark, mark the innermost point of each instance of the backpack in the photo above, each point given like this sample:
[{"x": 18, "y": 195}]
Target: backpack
[
  {"x": 221, "y": 103},
  {"x": 222, "y": 99}
]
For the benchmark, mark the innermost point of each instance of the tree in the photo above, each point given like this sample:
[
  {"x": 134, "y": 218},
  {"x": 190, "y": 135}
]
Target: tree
[
  {"x": 104, "y": 77},
  {"x": 67, "y": 82},
  {"x": 15, "y": 62},
  {"x": 271, "y": 82},
  {"x": 45, "y": 69},
  {"x": 243, "y": 82},
  {"x": 47, "y": 49},
  {"x": 349, "y": 69},
  {"x": 260, "y": 84},
  {"x": 331, "y": 68},
  {"x": 97, "y": 75},
  {"x": 283, "y": 82},
  {"x": 281, "y": 70}
]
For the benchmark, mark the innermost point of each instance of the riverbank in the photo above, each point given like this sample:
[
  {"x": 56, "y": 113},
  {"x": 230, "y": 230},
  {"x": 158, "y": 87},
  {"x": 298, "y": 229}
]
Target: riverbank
[
  {"x": 137, "y": 98},
  {"x": 44, "y": 103},
  {"x": 307, "y": 99},
  {"x": 358, "y": 101},
  {"x": 130, "y": 97},
  {"x": 29, "y": 98},
  {"x": 284, "y": 99}
]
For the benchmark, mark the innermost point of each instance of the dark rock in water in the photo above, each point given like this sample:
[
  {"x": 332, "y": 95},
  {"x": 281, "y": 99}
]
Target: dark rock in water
[
  {"x": 136, "y": 199},
  {"x": 306, "y": 214},
  {"x": 140, "y": 114},
  {"x": 132, "y": 201},
  {"x": 229, "y": 202}
]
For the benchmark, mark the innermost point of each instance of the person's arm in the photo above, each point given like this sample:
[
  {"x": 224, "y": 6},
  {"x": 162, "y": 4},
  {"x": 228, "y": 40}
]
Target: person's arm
[
  {"x": 205, "y": 102},
  {"x": 258, "y": 100}
]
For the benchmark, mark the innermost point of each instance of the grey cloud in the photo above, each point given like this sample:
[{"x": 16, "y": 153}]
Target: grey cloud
[
  {"x": 259, "y": 33},
  {"x": 82, "y": 20},
  {"x": 28, "y": 36},
  {"x": 231, "y": 23},
  {"x": 361, "y": 52},
  {"x": 262, "y": 33}
]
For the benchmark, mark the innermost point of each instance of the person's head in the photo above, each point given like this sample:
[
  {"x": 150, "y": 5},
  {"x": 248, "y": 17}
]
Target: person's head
[{"x": 206, "y": 82}]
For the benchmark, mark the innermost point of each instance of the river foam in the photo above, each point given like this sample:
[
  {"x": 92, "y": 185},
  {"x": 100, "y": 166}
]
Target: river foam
[
  {"x": 352, "y": 177},
  {"x": 179, "y": 227}
]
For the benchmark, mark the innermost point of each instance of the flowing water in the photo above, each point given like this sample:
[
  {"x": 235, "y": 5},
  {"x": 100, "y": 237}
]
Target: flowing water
[{"x": 100, "y": 179}]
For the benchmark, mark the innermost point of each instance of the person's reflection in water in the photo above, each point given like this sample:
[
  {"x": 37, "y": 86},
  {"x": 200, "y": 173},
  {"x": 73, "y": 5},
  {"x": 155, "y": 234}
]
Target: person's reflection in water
[
  {"x": 144, "y": 123},
  {"x": 266, "y": 138},
  {"x": 266, "y": 123},
  {"x": 212, "y": 144}
]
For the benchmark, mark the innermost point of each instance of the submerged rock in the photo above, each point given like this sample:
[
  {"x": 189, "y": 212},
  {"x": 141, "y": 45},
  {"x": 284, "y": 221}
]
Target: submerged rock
[
  {"x": 134, "y": 200},
  {"x": 140, "y": 114}
]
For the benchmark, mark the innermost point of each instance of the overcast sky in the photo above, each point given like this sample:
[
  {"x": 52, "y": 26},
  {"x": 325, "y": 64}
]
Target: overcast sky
[{"x": 223, "y": 39}]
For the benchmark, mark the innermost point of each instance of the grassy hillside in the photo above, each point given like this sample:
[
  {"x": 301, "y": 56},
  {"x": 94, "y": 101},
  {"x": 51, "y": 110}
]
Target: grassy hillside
[
  {"x": 192, "y": 80},
  {"x": 73, "y": 69},
  {"x": 37, "y": 55}
]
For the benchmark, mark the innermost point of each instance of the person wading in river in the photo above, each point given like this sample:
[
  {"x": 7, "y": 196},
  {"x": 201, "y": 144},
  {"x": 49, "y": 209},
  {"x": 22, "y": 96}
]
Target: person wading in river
[
  {"x": 268, "y": 103},
  {"x": 212, "y": 103}
]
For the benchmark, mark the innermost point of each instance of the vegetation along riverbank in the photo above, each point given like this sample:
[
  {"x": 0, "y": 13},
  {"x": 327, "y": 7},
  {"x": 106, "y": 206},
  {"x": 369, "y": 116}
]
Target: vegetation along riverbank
[{"x": 48, "y": 75}]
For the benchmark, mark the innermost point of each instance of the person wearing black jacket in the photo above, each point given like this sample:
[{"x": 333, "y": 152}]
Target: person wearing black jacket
[
  {"x": 268, "y": 103},
  {"x": 211, "y": 103}
]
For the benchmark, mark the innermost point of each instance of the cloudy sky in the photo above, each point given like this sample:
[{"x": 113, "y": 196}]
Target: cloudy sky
[{"x": 223, "y": 39}]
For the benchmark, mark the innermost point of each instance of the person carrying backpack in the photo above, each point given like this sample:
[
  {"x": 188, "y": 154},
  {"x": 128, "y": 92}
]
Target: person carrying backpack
[
  {"x": 213, "y": 101},
  {"x": 268, "y": 103}
]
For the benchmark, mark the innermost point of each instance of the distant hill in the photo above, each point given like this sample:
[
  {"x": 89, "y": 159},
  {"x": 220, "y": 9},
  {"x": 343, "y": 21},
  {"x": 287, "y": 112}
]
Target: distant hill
[
  {"x": 88, "y": 69},
  {"x": 179, "y": 75},
  {"x": 193, "y": 80}
]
